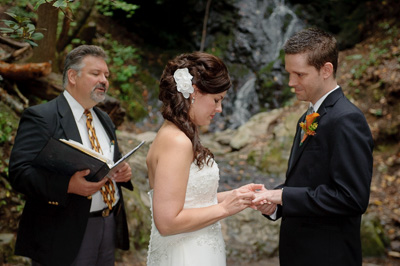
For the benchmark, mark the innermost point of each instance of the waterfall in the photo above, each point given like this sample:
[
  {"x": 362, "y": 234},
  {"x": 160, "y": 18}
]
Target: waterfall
[
  {"x": 282, "y": 18},
  {"x": 262, "y": 30},
  {"x": 256, "y": 39}
]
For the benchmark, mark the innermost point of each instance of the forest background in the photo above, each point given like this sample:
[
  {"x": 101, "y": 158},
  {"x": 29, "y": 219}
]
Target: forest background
[{"x": 141, "y": 36}]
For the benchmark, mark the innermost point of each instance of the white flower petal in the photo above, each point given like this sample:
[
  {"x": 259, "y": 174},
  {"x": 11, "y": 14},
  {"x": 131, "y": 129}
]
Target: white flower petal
[{"x": 183, "y": 81}]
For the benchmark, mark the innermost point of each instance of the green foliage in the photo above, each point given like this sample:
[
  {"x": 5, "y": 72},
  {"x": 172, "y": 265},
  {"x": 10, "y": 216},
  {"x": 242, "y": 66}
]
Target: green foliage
[
  {"x": 252, "y": 158},
  {"x": 122, "y": 62},
  {"x": 23, "y": 29},
  {"x": 273, "y": 91},
  {"x": 147, "y": 85},
  {"x": 374, "y": 59},
  {"x": 6, "y": 129},
  {"x": 57, "y": 3},
  {"x": 272, "y": 160},
  {"x": 373, "y": 236},
  {"x": 220, "y": 44},
  {"x": 378, "y": 52},
  {"x": 20, "y": 28},
  {"x": 120, "y": 57},
  {"x": 107, "y": 7},
  {"x": 18, "y": 8}
]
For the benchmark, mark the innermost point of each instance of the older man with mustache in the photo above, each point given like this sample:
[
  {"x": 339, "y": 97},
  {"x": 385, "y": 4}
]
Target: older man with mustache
[{"x": 66, "y": 220}]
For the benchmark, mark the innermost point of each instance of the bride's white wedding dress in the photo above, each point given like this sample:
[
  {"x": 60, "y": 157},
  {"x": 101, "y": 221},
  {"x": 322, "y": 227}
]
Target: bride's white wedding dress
[{"x": 204, "y": 247}]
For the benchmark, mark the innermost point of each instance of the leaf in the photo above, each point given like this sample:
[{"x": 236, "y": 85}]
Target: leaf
[
  {"x": 31, "y": 27},
  {"x": 60, "y": 3},
  {"x": 11, "y": 14},
  {"x": 20, "y": 32},
  {"x": 15, "y": 27},
  {"x": 24, "y": 20},
  {"x": 33, "y": 44},
  {"x": 354, "y": 57},
  {"x": 9, "y": 22},
  {"x": 6, "y": 30},
  {"x": 15, "y": 36},
  {"x": 39, "y": 2},
  {"x": 37, "y": 36}
]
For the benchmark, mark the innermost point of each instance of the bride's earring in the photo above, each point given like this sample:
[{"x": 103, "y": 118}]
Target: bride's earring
[{"x": 193, "y": 100}]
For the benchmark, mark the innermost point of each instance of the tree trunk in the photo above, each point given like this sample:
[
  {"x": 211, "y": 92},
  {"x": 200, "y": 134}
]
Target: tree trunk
[
  {"x": 81, "y": 17},
  {"x": 45, "y": 88},
  {"x": 63, "y": 38},
  {"x": 47, "y": 24},
  {"x": 24, "y": 71},
  {"x": 205, "y": 21}
]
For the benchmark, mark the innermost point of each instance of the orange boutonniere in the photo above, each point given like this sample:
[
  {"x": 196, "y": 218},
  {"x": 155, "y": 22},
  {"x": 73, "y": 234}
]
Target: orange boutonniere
[{"x": 309, "y": 126}]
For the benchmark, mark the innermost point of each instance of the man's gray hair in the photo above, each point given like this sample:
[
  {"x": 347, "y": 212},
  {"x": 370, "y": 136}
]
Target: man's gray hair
[{"x": 74, "y": 59}]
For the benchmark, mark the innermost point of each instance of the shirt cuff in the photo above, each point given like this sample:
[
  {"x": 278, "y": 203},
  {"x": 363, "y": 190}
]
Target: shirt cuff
[{"x": 273, "y": 216}]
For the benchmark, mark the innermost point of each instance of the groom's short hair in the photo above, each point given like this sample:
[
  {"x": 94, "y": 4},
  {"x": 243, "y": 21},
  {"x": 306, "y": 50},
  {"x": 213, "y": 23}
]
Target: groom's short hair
[{"x": 320, "y": 46}]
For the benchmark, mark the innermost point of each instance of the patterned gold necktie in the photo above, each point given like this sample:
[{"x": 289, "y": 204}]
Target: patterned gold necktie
[{"x": 108, "y": 190}]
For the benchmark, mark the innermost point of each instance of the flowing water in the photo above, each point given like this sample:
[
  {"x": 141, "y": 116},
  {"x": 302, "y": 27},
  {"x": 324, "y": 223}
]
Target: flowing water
[{"x": 263, "y": 29}]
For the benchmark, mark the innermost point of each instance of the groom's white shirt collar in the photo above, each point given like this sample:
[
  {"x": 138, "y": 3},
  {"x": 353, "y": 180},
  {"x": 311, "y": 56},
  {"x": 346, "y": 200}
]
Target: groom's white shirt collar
[{"x": 321, "y": 100}]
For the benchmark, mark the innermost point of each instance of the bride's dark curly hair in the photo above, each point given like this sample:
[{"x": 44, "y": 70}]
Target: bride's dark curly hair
[{"x": 210, "y": 75}]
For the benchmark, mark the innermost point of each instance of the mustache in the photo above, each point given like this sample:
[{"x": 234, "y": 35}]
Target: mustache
[{"x": 100, "y": 85}]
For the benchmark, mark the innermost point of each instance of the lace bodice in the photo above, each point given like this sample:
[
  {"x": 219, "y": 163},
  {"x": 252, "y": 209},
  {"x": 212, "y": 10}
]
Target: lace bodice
[
  {"x": 202, "y": 186},
  {"x": 206, "y": 243}
]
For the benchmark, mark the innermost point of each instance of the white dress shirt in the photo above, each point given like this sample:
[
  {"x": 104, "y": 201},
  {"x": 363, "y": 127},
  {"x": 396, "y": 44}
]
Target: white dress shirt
[{"x": 106, "y": 146}]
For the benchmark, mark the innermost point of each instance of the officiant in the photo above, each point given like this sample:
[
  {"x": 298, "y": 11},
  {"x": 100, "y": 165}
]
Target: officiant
[{"x": 68, "y": 220}]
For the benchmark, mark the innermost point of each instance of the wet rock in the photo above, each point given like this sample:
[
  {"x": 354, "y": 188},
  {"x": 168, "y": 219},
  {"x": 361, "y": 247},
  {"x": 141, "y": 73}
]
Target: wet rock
[{"x": 373, "y": 238}]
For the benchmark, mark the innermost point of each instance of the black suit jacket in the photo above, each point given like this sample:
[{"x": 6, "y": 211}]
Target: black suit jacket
[
  {"x": 53, "y": 222},
  {"x": 327, "y": 188}
]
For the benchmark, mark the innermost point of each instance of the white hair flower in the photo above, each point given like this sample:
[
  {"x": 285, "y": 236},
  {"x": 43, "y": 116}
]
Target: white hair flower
[{"x": 183, "y": 81}]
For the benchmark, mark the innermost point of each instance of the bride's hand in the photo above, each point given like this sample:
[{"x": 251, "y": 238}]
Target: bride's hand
[
  {"x": 256, "y": 188},
  {"x": 253, "y": 187},
  {"x": 237, "y": 200}
]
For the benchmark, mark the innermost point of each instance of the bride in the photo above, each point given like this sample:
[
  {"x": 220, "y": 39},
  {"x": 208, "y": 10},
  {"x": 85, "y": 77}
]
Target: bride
[{"x": 183, "y": 175}]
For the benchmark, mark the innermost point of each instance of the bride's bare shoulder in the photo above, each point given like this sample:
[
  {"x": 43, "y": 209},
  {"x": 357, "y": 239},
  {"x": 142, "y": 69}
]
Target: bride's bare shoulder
[
  {"x": 170, "y": 134},
  {"x": 170, "y": 140}
]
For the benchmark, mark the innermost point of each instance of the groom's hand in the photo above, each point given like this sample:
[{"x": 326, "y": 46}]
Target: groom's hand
[
  {"x": 266, "y": 208},
  {"x": 272, "y": 196},
  {"x": 255, "y": 188}
]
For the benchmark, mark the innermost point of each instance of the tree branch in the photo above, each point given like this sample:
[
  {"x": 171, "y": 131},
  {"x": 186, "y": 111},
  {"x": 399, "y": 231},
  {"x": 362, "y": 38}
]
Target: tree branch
[
  {"x": 24, "y": 71},
  {"x": 203, "y": 36}
]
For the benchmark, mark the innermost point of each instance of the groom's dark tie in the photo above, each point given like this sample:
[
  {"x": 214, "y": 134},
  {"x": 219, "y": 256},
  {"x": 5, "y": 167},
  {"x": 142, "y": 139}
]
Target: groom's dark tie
[{"x": 310, "y": 110}]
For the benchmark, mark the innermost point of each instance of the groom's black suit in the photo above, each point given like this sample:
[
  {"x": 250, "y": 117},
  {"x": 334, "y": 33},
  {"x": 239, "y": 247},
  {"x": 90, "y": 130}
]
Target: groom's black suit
[
  {"x": 53, "y": 222},
  {"x": 327, "y": 189}
]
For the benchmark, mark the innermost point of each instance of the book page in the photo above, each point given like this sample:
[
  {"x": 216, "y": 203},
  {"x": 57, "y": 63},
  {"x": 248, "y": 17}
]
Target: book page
[
  {"x": 118, "y": 164},
  {"x": 81, "y": 147}
]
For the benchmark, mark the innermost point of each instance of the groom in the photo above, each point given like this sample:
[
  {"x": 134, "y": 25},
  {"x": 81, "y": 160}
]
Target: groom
[{"x": 329, "y": 172}]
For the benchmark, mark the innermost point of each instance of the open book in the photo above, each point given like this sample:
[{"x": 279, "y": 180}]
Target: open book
[{"x": 68, "y": 156}]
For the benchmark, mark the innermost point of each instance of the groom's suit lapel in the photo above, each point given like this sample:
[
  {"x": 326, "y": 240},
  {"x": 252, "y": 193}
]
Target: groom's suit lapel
[
  {"x": 298, "y": 149},
  {"x": 295, "y": 148}
]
